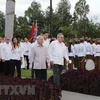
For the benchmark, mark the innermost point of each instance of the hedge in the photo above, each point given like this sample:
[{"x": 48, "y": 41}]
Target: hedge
[{"x": 44, "y": 90}]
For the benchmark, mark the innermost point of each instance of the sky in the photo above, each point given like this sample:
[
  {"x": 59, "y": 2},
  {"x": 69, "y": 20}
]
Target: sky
[{"x": 22, "y": 5}]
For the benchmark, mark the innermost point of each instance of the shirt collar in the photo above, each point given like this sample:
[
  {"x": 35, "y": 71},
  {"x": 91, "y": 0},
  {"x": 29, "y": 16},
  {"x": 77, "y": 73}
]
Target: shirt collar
[
  {"x": 59, "y": 42},
  {"x": 39, "y": 45}
]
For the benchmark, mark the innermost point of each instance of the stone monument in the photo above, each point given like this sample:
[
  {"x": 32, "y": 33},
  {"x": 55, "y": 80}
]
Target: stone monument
[{"x": 9, "y": 17}]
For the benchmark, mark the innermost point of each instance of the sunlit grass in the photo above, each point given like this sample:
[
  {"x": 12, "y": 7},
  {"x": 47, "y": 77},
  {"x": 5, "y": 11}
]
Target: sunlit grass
[{"x": 27, "y": 73}]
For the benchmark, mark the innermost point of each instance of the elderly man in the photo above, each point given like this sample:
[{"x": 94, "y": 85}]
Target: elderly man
[
  {"x": 57, "y": 52},
  {"x": 6, "y": 55},
  {"x": 39, "y": 56}
]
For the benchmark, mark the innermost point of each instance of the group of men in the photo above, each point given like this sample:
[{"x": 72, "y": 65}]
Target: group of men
[
  {"x": 43, "y": 54},
  {"x": 83, "y": 49}
]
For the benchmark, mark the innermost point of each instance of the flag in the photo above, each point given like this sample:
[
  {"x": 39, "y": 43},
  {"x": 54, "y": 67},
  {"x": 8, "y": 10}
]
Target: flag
[{"x": 33, "y": 32}]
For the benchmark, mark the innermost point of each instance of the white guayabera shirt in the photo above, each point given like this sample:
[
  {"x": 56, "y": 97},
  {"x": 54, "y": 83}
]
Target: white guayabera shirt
[
  {"x": 46, "y": 43},
  {"x": 16, "y": 54},
  {"x": 39, "y": 55},
  {"x": 81, "y": 50},
  {"x": 57, "y": 52},
  {"x": 72, "y": 53},
  {"x": 76, "y": 49},
  {"x": 89, "y": 50},
  {"x": 6, "y": 51},
  {"x": 97, "y": 50},
  {"x": 26, "y": 46}
]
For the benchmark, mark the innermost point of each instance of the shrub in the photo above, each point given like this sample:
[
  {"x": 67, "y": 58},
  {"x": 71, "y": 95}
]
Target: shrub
[
  {"x": 87, "y": 82},
  {"x": 44, "y": 90}
]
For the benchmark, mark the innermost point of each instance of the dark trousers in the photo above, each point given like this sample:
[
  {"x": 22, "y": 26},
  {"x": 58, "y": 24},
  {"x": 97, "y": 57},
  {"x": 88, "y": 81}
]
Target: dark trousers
[
  {"x": 97, "y": 63},
  {"x": 32, "y": 72},
  {"x": 88, "y": 56},
  {"x": 70, "y": 66},
  {"x": 6, "y": 67},
  {"x": 76, "y": 61},
  {"x": 16, "y": 63},
  {"x": 27, "y": 60},
  {"x": 41, "y": 74},
  {"x": 81, "y": 62},
  {"x": 1, "y": 68},
  {"x": 57, "y": 70}
]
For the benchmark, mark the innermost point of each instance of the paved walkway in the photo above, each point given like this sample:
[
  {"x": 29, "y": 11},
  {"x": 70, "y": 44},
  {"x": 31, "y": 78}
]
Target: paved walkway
[{"x": 77, "y": 96}]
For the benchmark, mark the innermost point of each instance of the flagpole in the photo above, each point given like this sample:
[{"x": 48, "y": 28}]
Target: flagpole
[
  {"x": 36, "y": 24},
  {"x": 50, "y": 18}
]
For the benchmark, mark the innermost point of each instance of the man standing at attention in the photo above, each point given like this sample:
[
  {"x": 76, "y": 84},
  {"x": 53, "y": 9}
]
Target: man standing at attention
[
  {"x": 39, "y": 56},
  {"x": 6, "y": 55},
  {"x": 57, "y": 52},
  {"x": 46, "y": 40},
  {"x": 26, "y": 46}
]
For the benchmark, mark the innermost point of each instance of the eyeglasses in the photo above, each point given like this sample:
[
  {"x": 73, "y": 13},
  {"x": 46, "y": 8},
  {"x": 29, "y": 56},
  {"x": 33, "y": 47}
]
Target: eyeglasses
[{"x": 61, "y": 37}]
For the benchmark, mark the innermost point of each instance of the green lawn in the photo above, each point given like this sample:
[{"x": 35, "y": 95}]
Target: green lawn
[{"x": 27, "y": 73}]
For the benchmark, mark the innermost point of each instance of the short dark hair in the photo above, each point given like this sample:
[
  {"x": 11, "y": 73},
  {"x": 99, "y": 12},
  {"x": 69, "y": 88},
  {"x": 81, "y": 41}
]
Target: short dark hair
[{"x": 44, "y": 32}]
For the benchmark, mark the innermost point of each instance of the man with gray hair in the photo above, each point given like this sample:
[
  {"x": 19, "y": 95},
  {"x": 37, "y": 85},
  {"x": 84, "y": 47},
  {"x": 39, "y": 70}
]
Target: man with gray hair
[
  {"x": 39, "y": 56},
  {"x": 57, "y": 52},
  {"x": 6, "y": 55}
]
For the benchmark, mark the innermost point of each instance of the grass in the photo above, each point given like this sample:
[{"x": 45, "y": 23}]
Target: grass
[{"x": 27, "y": 73}]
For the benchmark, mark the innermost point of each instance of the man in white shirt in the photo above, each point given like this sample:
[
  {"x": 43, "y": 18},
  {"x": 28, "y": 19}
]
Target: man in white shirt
[
  {"x": 81, "y": 55},
  {"x": 71, "y": 54},
  {"x": 34, "y": 43},
  {"x": 27, "y": 46},
  {"x": 0, "y": 55},
  {"x": 94, "y": 41},
  {"x": 39, "y": 55},
  {"x": 57, "y": 53},
  {"x": 22, "y": 48},
  {"x": 97, "y": 55},
  {"x": 6, "y": 55},
  {"x": 46, "y": 40},
  {"x": 89, "y": 50},
  {"x": 85, "y": 41},
  {"x": 76, "y": 53}
]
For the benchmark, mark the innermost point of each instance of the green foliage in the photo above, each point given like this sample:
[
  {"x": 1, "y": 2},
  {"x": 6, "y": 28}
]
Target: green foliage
[
  {"x": 76, "y": 25},
  {"x": 80, "y": 19},
  {"x": 63, "y": 12},
  {"x": 69, "y": 32},
  {"x": 21, "y": 27},
  {"x": 2, "y": 23},
  {"x": 34, "y": 13},
  {"x": 82, "y": 9}
]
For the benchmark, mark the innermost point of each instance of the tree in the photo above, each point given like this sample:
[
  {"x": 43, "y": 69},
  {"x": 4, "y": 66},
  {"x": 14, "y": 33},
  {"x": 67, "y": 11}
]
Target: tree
[
  {"x": 55, "y": 21},
  {"x": 2, "y": 24},
  {"x": 60, "y": 17},
  {"x": 63, "y": 12},
  {"x": 34, "y": 13},
  {"x": 82, "y": 9},
  {"x": 80, "y": 17},
  {"x": 22, "y": 27}
]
